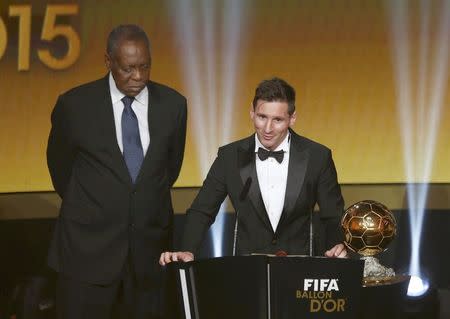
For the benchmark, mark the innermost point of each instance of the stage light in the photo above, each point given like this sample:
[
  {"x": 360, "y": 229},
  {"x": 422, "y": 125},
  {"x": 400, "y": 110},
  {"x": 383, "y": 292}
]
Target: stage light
[
  {"x": 424, "y": 305},
  {"x": 217, "y": 230},
  {"x": 419, "y": 105},
  {"x": 417, "y": 286},
  {"x": 210, "y": 77}
]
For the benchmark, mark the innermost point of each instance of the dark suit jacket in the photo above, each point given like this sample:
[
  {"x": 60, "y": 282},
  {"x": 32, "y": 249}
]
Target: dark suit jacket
[
  {"x": 104, "y": 218},
  {"x": 311, "y": 179}
]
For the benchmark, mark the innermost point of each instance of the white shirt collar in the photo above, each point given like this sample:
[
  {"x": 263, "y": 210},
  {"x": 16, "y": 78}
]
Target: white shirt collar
[
  {"x": 116, "y": 95},
  {"x": 283, "y": 145}
]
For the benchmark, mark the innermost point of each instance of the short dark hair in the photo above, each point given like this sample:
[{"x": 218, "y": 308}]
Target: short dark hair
[
  {"x": 130, "y": 32},
  {"x": 275, "y": 90}
]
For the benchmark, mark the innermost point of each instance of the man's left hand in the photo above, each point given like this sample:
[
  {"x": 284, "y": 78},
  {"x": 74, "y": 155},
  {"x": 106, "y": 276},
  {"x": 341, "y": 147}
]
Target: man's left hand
[{"x": 338, "y": 251}]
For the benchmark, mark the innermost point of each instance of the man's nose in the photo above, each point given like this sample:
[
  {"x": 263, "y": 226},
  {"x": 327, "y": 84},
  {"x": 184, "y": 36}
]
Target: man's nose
[
  {"x": 137, "y": 74},
  {"x": 268, "y": 127}
]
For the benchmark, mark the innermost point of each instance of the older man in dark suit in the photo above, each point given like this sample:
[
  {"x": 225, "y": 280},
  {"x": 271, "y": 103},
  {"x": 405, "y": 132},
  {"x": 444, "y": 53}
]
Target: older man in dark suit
[
  {"x": 274, "y": 179},
  {"x": 115, "y": 149}
]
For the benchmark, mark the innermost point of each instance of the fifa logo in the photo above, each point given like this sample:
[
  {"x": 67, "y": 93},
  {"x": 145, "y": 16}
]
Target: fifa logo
[
  {"x": 320, "y": 295},
  {"x": 320, "y": 285}
]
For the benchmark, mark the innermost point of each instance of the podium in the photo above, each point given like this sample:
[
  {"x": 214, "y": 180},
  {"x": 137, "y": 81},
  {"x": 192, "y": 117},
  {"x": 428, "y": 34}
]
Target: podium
[{"x": 261, "y": 286}]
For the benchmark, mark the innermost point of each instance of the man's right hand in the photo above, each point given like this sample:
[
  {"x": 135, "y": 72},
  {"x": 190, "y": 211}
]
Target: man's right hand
[{"x": 169, "y": 256}]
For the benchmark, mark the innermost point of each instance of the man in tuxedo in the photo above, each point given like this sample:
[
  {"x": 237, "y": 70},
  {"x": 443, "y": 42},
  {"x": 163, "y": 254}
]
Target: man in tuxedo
[
  {"x": 274, "y": 179},
  {"x": 115, "y": 149}
]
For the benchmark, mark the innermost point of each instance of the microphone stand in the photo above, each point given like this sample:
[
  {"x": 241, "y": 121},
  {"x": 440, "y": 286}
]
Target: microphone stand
[
  {"x": 311, "y": 233},
  {"x": 235, "y": 234},
  {"x": 242, "y": 197}
]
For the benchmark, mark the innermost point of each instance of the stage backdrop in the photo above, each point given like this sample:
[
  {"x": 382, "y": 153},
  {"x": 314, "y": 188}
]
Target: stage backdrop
[{"x": 354, "y": 63}]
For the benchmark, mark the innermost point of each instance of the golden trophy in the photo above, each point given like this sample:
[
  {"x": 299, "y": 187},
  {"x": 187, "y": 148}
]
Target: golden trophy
[{"x": 369, "y": 227}]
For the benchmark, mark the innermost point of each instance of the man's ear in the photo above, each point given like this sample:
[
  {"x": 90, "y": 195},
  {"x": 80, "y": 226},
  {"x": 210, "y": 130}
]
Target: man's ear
[
  {"x": 108, "y": 61},
  {"x": 292, "y": 118}
]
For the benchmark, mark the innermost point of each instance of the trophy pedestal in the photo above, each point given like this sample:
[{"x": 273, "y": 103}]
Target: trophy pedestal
[{"x": 385, "y": 298}]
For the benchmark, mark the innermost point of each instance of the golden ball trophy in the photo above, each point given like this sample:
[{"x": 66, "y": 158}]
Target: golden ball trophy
[{"x": 369, "y": 227}]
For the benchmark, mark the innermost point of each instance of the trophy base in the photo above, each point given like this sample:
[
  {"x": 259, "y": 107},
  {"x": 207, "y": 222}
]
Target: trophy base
[
  {"x": 375, "y": 273},
  {"x": 381, "y": 281}
]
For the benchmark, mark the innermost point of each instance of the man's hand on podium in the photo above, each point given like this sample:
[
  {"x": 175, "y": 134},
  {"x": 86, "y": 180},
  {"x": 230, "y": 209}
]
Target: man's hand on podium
[
  {"x": 169, "y": 256},
  {"x": 338, "y": 251}
]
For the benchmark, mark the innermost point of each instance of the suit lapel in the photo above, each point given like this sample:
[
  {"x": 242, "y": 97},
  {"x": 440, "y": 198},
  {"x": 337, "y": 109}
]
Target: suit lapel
[
  {"x": 154, "y": 106},
  {"x": 106, "y": 116},
  {"x": 247, "y": 169},
  {"x": 298, "y": 163}
]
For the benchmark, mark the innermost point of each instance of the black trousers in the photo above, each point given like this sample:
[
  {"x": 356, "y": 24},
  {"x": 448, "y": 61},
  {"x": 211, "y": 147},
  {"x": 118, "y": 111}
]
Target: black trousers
[{"x": 123, "y": 299}]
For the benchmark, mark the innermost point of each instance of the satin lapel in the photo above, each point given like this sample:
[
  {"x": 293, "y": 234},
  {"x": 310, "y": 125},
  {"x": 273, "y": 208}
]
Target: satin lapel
[
  {"x": 298, "y": 163},
  {"x": 154, "y": 106},
  {"x": 247, "y": 169},
  {"x": 106, "y": 117}
]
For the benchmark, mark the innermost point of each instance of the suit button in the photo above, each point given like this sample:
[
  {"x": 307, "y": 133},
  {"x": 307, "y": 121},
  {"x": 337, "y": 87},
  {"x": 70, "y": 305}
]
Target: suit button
[
  {"x": 133, "y": 192},
  {"x": 132, "y": 225},
  {"x": 274, "y": 241}
]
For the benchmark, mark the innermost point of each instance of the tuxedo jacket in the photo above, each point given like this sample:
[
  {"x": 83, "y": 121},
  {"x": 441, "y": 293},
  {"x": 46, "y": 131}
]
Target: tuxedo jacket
[
  {"x": 105, "y": 220},
  {"x": 311, "y": 179}
]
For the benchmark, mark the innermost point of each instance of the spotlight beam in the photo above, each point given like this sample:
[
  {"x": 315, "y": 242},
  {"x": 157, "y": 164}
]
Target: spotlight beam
[
  {"x": 419, "y": 145},
  {"x": 232, "y": 38},
  {"x": 197, "y": 35},
  {"x": 208, "y": 9},
  {"x": 422, "y": 74},
  {"x": 186, "y": 31}
]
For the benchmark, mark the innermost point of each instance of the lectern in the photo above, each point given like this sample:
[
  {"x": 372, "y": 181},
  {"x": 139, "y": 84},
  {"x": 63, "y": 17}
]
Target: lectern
[{"x": 261, "y": 287}]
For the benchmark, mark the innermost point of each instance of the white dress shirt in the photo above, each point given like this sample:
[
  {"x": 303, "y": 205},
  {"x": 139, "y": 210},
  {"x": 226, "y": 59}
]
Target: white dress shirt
[
  {"x": 272, "y": 180},
  {"x": 140, "y": 108}
]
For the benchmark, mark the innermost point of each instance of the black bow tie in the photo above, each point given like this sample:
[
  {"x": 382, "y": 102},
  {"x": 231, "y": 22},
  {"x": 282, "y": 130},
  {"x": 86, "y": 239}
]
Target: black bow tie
[{"x": 264, "y": 154}]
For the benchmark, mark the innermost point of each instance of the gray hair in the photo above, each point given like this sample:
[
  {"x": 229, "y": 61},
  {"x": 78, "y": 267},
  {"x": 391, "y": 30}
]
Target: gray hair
[{"x": 130, "y": 32}]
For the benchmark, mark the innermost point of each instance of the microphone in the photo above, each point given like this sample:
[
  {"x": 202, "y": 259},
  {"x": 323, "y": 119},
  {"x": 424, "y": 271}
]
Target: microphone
[{"x": 242, "y": 197}]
